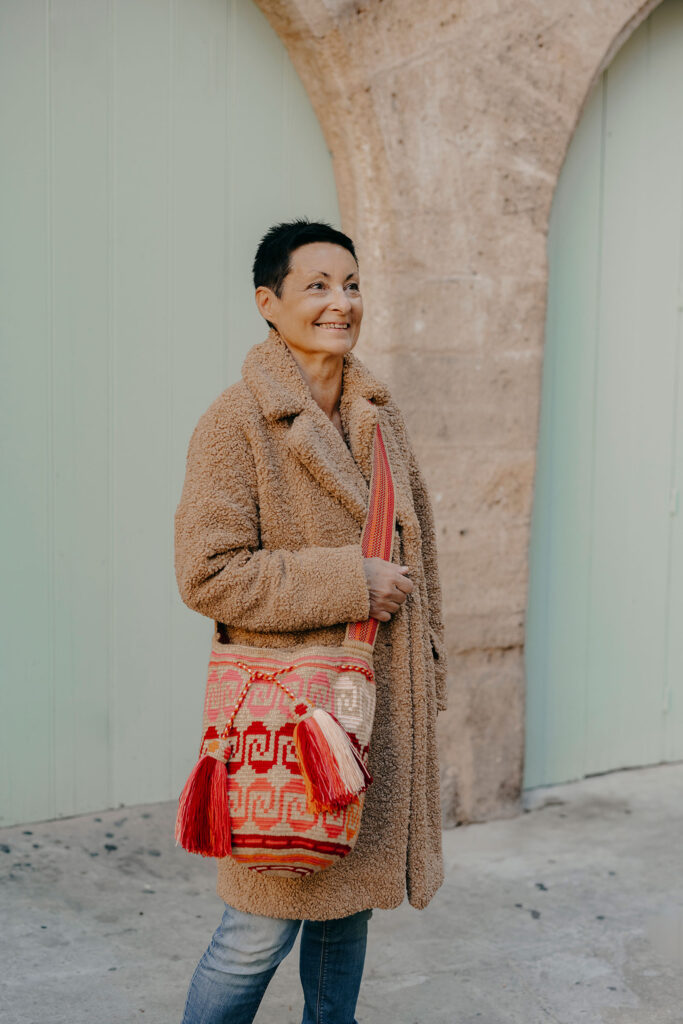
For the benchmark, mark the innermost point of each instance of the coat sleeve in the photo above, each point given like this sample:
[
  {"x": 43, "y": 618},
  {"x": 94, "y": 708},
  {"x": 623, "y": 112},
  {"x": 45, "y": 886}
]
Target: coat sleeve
[{"x": 221, "y": 569}]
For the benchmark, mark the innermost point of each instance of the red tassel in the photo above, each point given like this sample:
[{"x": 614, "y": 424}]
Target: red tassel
[
  {"x": 333, "y": 771},
  {"x": 203, "y": 822},
  {"x": 316, "y": 765}
]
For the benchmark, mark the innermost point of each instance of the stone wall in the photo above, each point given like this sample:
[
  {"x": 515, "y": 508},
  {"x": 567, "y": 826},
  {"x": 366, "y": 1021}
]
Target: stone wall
[{"x": 448, "y": 121}]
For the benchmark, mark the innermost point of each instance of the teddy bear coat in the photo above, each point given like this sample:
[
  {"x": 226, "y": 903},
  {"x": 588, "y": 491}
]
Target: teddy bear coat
[{"x": 267, "y": 544}]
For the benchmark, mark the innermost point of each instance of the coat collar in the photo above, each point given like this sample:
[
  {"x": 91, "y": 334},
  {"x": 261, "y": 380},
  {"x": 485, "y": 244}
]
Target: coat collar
[{"x": 271, "y": 374}]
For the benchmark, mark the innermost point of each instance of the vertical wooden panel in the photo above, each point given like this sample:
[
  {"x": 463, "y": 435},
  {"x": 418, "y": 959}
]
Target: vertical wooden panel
[
  {"x": 80, "y": 426},
  {"x": 605, "y": 579},
  {"x": 670, "y": 44},
  {"x": 636, "y": 381},
  {"x": 26, "y": 673},
  {"x": 202, "y": 326},
  {"x": 173, "y": 127},
  {"x": 142, "y": 178},
  {"x": 559, "y": 556},
  {"x": 256, "y": 146}
]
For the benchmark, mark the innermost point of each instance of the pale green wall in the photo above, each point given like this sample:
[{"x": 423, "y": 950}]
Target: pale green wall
[
  {"x": 146, "y": 146},
  {"x": 604, "y": 646}
]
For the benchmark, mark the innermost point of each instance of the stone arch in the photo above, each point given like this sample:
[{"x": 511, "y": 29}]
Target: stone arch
[{"x": 449, "y": 123}]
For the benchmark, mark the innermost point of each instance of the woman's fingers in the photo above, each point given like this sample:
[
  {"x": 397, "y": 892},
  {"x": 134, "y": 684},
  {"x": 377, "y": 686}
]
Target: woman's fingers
[{"x": 389, "y": 587}]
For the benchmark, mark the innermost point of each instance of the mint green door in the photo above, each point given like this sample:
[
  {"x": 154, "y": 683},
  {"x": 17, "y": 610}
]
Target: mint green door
[
  {"x": 604, "y": 643},
  {"x": 146, "y": 146}
]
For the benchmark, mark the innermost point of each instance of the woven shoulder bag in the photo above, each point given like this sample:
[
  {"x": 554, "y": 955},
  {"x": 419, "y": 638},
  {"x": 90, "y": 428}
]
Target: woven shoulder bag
[{"x": 282, "y": 769}]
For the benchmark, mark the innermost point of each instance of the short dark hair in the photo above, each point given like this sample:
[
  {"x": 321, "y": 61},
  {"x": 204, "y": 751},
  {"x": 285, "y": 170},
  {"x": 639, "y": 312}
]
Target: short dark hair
[{"x": 272, "y": 260}]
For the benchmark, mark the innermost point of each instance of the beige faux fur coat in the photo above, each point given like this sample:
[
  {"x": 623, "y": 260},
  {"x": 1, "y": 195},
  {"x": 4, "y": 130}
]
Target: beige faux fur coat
[{"x": 268, "y": 544}]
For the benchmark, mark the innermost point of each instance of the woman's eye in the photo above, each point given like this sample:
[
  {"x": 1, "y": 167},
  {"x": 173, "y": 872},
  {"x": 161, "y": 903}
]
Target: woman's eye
[
  {"x": 354, "y": 286},
  {"x": 317, "y": 284}
]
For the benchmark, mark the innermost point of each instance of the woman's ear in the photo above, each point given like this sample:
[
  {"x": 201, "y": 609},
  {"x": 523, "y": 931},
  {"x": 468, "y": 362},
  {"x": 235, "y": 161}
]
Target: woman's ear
[{"x": 266, "y": 301}]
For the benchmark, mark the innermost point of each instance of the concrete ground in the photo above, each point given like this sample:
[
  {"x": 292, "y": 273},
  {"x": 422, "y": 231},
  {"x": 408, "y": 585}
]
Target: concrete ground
[{"x": 571, "y": 912}]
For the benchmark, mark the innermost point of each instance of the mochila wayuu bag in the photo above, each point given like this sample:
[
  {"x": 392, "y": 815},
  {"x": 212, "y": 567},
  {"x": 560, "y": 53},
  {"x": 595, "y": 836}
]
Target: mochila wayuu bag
[{"x": 282, "y": 770}]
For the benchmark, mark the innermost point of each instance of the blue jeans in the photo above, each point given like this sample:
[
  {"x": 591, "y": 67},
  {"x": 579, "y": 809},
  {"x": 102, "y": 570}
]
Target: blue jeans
[{"x": 233, "y": 974}]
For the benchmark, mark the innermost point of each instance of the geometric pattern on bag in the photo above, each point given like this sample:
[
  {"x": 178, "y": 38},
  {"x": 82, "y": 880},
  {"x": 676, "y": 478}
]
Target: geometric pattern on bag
[{"x": 271, "y": 828}]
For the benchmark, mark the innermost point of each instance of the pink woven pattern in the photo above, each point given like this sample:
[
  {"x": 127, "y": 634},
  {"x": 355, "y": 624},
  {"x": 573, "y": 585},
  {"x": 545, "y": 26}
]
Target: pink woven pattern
[
  {"x": 271, "y": 827},
  {"x": 378, "y": 532}
]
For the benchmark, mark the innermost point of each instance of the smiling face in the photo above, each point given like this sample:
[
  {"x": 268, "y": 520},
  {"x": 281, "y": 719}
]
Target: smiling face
[{"x": 320, "y": 308}]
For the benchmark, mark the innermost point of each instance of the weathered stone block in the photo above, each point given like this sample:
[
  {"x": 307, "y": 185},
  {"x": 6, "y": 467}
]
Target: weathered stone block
[
  {"x": 471, "y": 399},
  {"x": 481, "y": 736}
]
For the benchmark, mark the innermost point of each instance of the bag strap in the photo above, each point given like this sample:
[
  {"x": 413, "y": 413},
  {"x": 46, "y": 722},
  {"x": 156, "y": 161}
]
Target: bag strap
[{"x": 377, "y": 539}]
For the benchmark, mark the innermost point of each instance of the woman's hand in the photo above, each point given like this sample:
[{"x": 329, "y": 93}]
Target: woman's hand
[{"x": 389, "y": 586}]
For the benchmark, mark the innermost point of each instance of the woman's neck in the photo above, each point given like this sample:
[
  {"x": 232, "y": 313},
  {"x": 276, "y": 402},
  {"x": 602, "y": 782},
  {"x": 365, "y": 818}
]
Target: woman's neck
[{"x": 323, "y": 373}]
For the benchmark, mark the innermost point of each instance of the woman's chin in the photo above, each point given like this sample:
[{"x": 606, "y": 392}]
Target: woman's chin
[
  {"x": 323, "y": 340},
  {"x": 333, "y": 340}
]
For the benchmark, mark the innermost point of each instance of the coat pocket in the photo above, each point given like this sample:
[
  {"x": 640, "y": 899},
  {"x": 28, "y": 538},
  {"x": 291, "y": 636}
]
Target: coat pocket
[
  {"x": 440, "y": 671},
  {"x": 437, "y": 646}
]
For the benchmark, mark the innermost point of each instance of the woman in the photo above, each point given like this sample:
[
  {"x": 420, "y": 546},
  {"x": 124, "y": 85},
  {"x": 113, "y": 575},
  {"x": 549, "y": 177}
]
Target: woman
[{"x": 268, "y": 544}]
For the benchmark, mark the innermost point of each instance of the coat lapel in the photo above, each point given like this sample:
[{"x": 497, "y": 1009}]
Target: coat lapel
[
  {"x": 272, "y": 375},
  {"x": 358, "y": 408},
  {"x": 315, "y": 441}
]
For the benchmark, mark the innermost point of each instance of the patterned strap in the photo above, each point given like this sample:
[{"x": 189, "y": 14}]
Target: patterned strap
[{"x": 378, "y": 532}]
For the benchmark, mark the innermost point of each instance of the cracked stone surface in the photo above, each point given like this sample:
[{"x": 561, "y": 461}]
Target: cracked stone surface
[{"x": 570, "y": 913}]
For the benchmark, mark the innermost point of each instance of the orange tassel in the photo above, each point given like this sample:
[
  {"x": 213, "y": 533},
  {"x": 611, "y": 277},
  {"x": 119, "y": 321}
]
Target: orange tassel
[
  {"x": 203, "y": 822},
  {"x": 333, "y": 771}
]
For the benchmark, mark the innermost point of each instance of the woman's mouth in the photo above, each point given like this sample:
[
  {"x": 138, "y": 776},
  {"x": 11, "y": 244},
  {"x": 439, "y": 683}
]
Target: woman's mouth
[{"x": 334, "y": 326}]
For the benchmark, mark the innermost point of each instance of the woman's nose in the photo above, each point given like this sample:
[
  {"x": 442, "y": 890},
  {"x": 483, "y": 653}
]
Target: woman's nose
[{"x": 340, "y": 300}]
